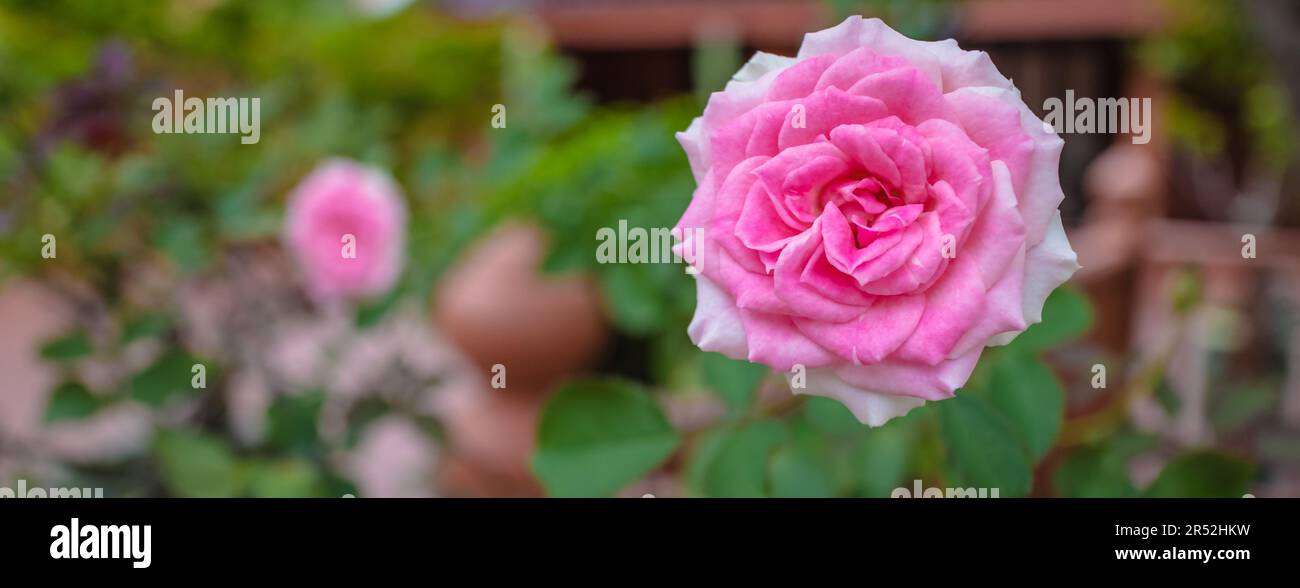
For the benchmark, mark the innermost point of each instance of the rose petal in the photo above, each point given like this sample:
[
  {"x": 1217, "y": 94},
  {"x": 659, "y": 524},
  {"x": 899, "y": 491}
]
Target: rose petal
[
  {"x": 999, "y": 233},
  {"x": 952, "y": 306},
  {"x": 893, "y": 376},
  {"x": 858, "y": 64},
  {"x": 909, "y": 95},
  {"x": 825, "y": 110},
  {"x": 804, "y": 300},
  {"x": 1047, "y": 265},
  {"x": 870, "y": 408},
  {"x": 800, "y": 79},
  {"x": 874, "y": 334},
  {"x": 716, "y": 325},
  {"x": 856, "y": 32},
  {"x": 1004, "y": 310},
  {"x": 775, "y": 342},
  {"x": 960, "y": 68}
]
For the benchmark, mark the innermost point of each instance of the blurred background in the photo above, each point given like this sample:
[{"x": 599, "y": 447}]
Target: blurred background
[{"x": 170, "y": 256}]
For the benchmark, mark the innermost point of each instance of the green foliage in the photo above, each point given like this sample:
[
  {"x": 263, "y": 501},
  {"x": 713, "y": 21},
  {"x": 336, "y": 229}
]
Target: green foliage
[
  {"x": 285, "y": 478},
  {"x": 617, "y": 166},
  {"x": 291, "y": 422},
  {"x": 991, "y": 435},
  {"x": 167, "y": 378},
  {"x": 733, "y": 380},
  {"x": 1095, "y": 472},
  {"x": 1066, "y": 316},
  {"x": 196, "y": 465},
  {"x": 798, "y": 473},
  {"x": 829, "y": 416},
  {"x": 984, "y": 446},
  {"x": 1026, "y": 391},
  {"x": 71, "y": 346},
  {"x": 1243, "y": 404},
  {"x": 326, "y": 89},
  {"x": 880, "y": 459},
  {"x": 1223, "y": 82},
  {"x": 596, "y": 437},
  {"x": 144, "y": 326},
  {"x": 69, "y": 402},
  {"x": 1202, "y": 474},
  {"x": 734, "y": 462},
  {"x": 79, "y": 161}
]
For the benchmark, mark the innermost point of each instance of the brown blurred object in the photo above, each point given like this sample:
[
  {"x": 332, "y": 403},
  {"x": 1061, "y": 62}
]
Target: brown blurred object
[
  {"x": 612, "y": 24},
  {"x": 498, "y": 308}
]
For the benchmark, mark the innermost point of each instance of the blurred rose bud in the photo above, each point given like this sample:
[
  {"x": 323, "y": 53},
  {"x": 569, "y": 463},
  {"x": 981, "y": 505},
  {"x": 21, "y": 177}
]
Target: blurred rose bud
[{"x": 346, "y": 226}]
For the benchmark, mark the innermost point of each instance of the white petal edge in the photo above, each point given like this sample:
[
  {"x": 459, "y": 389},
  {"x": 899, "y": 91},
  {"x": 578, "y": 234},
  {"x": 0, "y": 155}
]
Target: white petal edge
[
  {"x": 857, "y": 32},
  {"x": 1042, "y": 195},
  {"x": 870, "y": 408},
  {"x": 1048, "y": 265},
  {"x": 716, "y": 325},
  {"x": 696, "y": 146},
  {"x": 962, "y": 68},
  {"x": 762, "y": 64},
  {"x": 745, "y": 91}
]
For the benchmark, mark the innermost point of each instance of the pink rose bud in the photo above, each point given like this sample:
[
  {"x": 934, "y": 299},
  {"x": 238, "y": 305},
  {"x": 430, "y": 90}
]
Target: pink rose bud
[
  {"x": 346, "y": 226},
  {"x": 874, "y": 212}
]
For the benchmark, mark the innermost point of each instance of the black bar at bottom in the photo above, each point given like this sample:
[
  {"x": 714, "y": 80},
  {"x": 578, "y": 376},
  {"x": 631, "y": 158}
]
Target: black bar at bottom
[{"x": 227, "y": 536}]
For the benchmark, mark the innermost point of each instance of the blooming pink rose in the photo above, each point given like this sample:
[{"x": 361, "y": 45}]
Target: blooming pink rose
[
  {"x": 876, "y": 210},
  {"x": 346, "y": 225}
]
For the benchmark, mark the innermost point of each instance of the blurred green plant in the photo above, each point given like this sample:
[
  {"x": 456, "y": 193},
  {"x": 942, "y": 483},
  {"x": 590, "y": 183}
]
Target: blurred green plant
[
  {"x": 1227, "y": 100},
  {"x": 79, "y": 161}
]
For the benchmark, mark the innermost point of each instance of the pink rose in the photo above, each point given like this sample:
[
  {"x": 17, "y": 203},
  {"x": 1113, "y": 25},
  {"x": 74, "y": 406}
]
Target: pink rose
[
  {"x": 876, "y": 210},
  {"x": 346, "y": 226}
]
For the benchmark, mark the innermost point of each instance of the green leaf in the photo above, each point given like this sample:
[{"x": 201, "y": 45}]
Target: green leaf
[
  {"x": 706, "y": 448},
  {"x": 796, "y": 473},
  {"x": 737, "y": 461},
  {"x": 371, "y": 312},
  {"x": 195, "y": 465},
  {"x": 1129, "y": 443},
  {"x": 1187, "y": 291},
  {"x": 1094, "y": 472},
  {"x": 1202, "y": 474},
  {"x": 288, "y": 478},
  {"x": 1166, "y": 397},
  {"x": 69, "y": 402},
  {"x": 145, "y": 325},
  {"x": 632, "y": 298},
  {"x": 1026, "y": 391},
  {"x": 291, "y": 422},
  {"x": 182, "y": 239},
  {"x": 882, "y": 458},
  {"x": 1242, "y": 405},
  {"x": 68, "y": 347},
  {"x": 983, "y": 446},
  {"x": 830, "y": 416},
  {"x": 597, "y": 436},
  {"x": 169, "y": 377},
  {"x": 1067, "y": 314},
  {"x": 735, "y": 381}
]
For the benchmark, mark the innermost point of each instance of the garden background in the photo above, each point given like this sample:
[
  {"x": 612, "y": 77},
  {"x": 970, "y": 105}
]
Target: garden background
[{"x": 169, "y": 254}]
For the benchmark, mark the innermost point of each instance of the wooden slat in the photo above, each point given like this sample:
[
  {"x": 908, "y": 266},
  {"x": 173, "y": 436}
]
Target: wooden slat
[{"x": 658, "y": 24}]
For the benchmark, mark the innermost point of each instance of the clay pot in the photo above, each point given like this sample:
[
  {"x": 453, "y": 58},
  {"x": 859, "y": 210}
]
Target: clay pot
[{"x": 497, "y": 307}]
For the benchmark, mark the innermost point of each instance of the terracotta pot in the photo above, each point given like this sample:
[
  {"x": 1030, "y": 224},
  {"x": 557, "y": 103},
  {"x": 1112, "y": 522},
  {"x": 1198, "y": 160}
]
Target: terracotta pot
[{"x": 498, "y": 308}]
